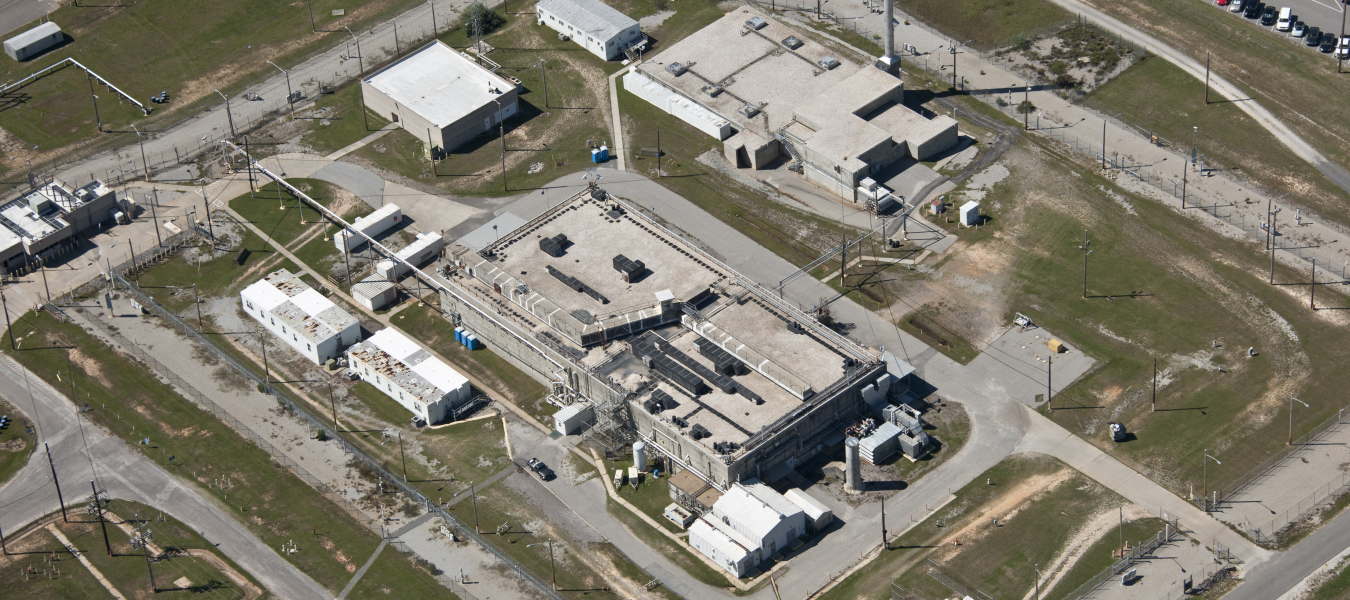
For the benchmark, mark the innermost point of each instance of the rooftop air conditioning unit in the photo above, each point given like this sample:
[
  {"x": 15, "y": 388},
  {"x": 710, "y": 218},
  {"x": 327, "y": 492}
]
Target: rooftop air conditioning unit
[
  {"x": 756, "y": 23},
  {"x": 676, "y": 69},
  {"x": 792, "y": 42},
  {"x": 829, "y": 62},
  {"x": 712, "y": 90},
  {"x": 749, "y": 110}
]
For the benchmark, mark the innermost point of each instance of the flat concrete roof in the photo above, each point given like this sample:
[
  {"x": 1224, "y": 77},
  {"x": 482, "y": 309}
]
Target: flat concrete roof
[
  {"x": 440, "y": 84},
  {"x": 752, "y": 67},
  {"x": 766, "y": 331},
  {"x": 594, "y": 239}
]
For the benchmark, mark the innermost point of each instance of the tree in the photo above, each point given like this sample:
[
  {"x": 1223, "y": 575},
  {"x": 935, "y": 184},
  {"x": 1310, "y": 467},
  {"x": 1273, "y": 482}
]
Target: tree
[{"x": 480, "y": 20}]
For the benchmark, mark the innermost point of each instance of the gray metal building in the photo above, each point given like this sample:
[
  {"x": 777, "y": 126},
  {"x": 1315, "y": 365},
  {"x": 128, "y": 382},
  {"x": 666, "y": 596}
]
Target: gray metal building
[
  {"x": 35, "y": 41},
  {"x": 441, "y": 96}
]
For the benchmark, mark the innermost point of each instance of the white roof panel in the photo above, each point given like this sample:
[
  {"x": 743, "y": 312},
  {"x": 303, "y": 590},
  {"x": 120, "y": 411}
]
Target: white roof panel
[
  {"x": 312, "y": 302},
  {"x": 594, "y": 17},
  {"x": 394, "y": 343},
  {"x": 721, "y": 537},
  {"x": 265, "y": 295},
  {"x": 439, "y": 374},
  {"x": 754, "y": 513},
  {"x": 440, "y": 84},
  {"x": 769, "y": 496},
  {"x": 812, "y": 507},
  {"x": 44, "y": 30}
]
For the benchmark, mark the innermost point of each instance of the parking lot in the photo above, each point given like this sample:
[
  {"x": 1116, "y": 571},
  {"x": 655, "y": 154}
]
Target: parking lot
[{"x": 1326, "y": 15}]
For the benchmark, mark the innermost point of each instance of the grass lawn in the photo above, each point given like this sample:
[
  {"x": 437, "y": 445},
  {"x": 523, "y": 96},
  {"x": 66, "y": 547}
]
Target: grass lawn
[
  {"x": 990, "y": 23},
  {"x": 214, "y": 277},
  {"x": 16, "y": 445},
  {"x": 1099, "y": 557},
  {"x": 426, "y": 324},
  {"x": 1229, "y": 138},
  {"x": 651, "y": 497},
  {"x": 1291, "y": 81},
  {"x": 335, "y": 121},
  {"x": 1336, "y": 587},
  {"x": 926, "y": 325},
  {"x": 1050, "y": 500},
  {"x": 188, "y": 49},
  {"x": 271, "y": 501},
  {"x": 285, "y": 220}
]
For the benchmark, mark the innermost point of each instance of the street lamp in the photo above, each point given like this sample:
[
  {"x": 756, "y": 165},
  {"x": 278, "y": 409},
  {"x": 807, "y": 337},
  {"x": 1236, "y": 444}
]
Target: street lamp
[
  {"x": 290, "y": 97},
  {"x": 1292, "y": 400},
  {"x": 228, "y": 114},
  {"x": 953, "y": 49},
  {"x": 551, "y": 566},
  {"x": 397, "y": 49},
  {"x": 144, "y": 166},
  {"x": 1205, "y": 489},
  {"x": 501, "y": 128},
  {"x": 1108, "y": 120},
  {"x": 361, "y": 62},
  {"x": 434, "y": 33},
  {"x": 1086, "y": 252}
]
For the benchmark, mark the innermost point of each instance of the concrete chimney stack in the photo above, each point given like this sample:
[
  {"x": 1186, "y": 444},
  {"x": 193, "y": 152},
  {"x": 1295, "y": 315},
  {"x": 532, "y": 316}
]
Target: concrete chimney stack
[
  {"x": 890, "y": 63},
  {"x": 852, "y": 468}
]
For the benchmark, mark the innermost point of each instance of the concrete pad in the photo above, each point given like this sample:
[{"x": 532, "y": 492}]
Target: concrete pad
[
  {"x": 906, "y": 177},
  {"x": 364, "y": 184},
  {"x": 429, "y": 212},
  {"x": 294, "y": 164},
  {"x": 1019, "y": 361}
]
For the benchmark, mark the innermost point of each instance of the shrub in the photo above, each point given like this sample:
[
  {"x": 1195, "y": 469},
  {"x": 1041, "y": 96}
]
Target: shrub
[
  {"x": 480, "y": 20},
  {"x": 1001, "y": 102},
  {"x": 1025, "y": 107}
]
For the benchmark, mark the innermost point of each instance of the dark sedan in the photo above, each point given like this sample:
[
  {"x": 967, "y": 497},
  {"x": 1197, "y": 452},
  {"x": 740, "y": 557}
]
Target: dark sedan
[
  {"x": 1313, "y": 38},
  {"x": 1268, "y": 16},
  {"x": 1254, "y": 10},
  {"x": 1329, "y": 40}
]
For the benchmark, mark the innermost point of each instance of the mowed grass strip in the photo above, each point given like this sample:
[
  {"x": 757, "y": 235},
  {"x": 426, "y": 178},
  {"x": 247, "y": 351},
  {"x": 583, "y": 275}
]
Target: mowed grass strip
[
  {"x": 986, "y": 22},
  {"x": 16, "y": 443},
  {"x": 335, "y": 121},
  {"x": 264, "y": 496},
  {"x": 1230, "y": 139}
]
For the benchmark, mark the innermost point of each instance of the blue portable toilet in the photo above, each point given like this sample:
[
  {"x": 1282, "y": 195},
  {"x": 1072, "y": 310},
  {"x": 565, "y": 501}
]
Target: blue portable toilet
[
  {"x": 472, "y": 341},
  {"x": 604, "y": 153},
  {"x": 459, "y": 334},
  {"x": 596, "y": 156}
]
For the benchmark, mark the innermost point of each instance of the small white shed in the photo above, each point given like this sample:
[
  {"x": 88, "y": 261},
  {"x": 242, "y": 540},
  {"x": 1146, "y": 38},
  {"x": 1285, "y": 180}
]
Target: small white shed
[
  {"x": 970, "y": 213},
  {"x": 818, "y": 516},
  {"x": 33, "y": 42},
  {"x": 374, "y": 292},
  {"x": 570, "y": 419}
]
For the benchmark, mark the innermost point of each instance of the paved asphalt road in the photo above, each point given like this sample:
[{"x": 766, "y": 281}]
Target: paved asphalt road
[
  {"x": 128, "y": 475},
  {"x": 1285, "y": 570},
  {"x": 15, "y": 14}
]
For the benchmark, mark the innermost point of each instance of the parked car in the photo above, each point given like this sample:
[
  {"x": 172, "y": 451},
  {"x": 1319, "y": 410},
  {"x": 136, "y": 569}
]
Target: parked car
[
  {"x": 1268, "y": 16},
  {"x": 1221, "y": 2},
  {"x": 1239, "y": 6},
  {"x": 540, "y": 469},
  {"x": 1299, "y": 30},
  {"x": 1343, "y": 50},
  {"x": 1254, "y": 10},
  {"x": 1328, "y": 42},
  {"x": 1286, "y": 19},
  {"x": 1314, "y": 37}
]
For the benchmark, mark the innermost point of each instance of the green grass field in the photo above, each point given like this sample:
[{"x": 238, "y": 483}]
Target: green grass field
[
  {"x": 16, "y": 444},
  {"x": 1336, "y": 587},
  {"x": 1099, "y": 556},
  {"x": 271, "y": 501},
  {"x": 335, "y": 121},
  {"x": 1293, "y": 82},
  {"x": 1229, "y": 138},
  {"x": 188, "y": 49},
  {"x": 988, "y": 22},
  {"x": 213, "y": 277}
]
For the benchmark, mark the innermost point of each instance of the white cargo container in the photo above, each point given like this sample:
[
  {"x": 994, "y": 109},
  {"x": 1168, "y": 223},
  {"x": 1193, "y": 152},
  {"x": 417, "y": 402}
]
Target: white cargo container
[
  {"x": 427, "y": 245},
  {"x": 570, "y": 419},
  {"x": 371, "y": 225}
]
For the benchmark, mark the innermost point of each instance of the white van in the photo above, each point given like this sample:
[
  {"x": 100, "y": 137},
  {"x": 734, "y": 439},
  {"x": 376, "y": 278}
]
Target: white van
[{"x": 1286, "y": 19}]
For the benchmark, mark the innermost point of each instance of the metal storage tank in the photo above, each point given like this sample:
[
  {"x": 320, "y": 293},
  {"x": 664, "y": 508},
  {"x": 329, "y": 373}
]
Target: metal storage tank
[
  {"x": 853, "y": 482},
  {"x": 640, "y": 456}
]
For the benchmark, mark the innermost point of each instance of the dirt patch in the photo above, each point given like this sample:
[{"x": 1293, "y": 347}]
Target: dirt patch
[
  {"x": 15, "y": 445},
  {"x": 1083, "y": 539},
  {"x": 1005, "y": 509},
  {"x": 90, "y": 367}
]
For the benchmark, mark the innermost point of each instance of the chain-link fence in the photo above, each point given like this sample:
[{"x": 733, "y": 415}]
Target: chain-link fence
[{"x": 1131, "y": 556}]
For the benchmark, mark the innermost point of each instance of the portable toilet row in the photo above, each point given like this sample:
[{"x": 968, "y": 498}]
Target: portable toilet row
[
  {"x": 599, "y": 155},
  {"x": 469, "y": 340}
]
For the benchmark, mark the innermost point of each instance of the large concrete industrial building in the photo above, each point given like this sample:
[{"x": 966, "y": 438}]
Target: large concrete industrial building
[
  {"x": 44, "y": 222},
  {"x": 441, "y": 96},
  {"x": 784, "y": 94},
  {"x": 665, "y": 343}
]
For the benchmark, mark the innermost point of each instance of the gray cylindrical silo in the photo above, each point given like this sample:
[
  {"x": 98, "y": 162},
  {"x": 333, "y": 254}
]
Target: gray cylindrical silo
[
  {"x": 852, "y": 467},
  {"x": 640, "y": 456}
]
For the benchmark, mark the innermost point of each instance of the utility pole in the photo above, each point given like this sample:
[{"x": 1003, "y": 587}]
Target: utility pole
[
  {"x": 3, "y": 548},
  {"x": 1312, "y": 287},
  {"x": 1049, "y": 379},
  {"x": 98, "y": 507},
  {"x": 885, "y": 544},
  {"x": 1108, "y": 120},
  {"x": 1207, "y": 78},
  {"x": 658, "y": 152},
  {"x": 197, "y": 300},
  {"x": 1026, "y": 109},
  {"x": 290, "y": 96},
  {"x": 398, "y": 50},
  {"x": 248, "y": 164},
  {"x": 312, "y": 28},
  {"x": 1120, "y": 512},
  {"x": 1184, "y": 172},
  {"x": 228, "y": 114},
  {"x": 155, "y": 217},
  {"x": 403, "y": 459},
  {"x": 543, "y": 72},
  {"x": 501, "y": 129},
  {"x": 333, "y": 403},
  {"x": 475, "y": 508},
  {"x": 1274, "y": 216},
  {"x": 207, "y": 205},
  {"x": 94, "y": 97},
  {"x": 142, "y": 541},
  {"x": 42, "y": 264},
  {"x": 1086, "y": 252},
  {"x": 435, "y": 33},
  {"x": 1155, "y": 385},
  {"x": 56, "y": 482},
  {"x": 8, "y": 326}
]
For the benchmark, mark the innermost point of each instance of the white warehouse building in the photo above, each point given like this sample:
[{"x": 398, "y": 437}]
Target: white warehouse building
[
  {"x": 748, "y": 524},
  {"x": 401, "y": 369},
  {"x": 597, "y": 26},
  {"x": 301, "y": 316}
]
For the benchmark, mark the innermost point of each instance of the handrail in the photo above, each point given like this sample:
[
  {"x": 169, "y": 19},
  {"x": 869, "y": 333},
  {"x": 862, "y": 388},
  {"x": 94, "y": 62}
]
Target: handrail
[{"x": 91, "y": 72}]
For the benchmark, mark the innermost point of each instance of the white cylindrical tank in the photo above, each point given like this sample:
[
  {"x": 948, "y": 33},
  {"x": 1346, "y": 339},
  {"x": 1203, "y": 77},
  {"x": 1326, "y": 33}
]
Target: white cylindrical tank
[
  {"x": 640, "y": 456},
  {"x": 853, "y": 469}
]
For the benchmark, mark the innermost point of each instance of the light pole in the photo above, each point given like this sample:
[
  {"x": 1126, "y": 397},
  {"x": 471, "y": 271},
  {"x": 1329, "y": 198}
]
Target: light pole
[
  {"x": 95, "y": 98},
  {"x": 501, "y": 128},
  {"x": 1292, "y": 400},
  {"x": 290, "y": 97},
  {"x": 1086, "y": 252},
  {"x": 228, "y": 114},
  {"x": 1195, "y": 144},
  {"x": 543, "y": 72},
  {"x": 1026, "y": 109},
  {"x": 954, "y": 47},
  {"x": 360, "y": 61},
  {"x": 1270, "y": 239},
  {"x": 1108, "y": 120},
  {"x": 553, "y": 569},
  {"x": 1205, "y": 488},
  {"x": 310, "y": 3},
  {"x": 1038, "y": 581},
  {"x": 434, "y": 33},
  {"x": 398, "y": 50},
  {"x": 1274, "y": 215},
  {"x": 144, "y": 165}
]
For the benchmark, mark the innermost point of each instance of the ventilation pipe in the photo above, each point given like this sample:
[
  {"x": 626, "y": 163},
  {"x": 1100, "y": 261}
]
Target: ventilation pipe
[{"x": 890, "y": 63}]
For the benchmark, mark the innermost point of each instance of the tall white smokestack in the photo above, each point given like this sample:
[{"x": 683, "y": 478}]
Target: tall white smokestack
[{"x": 890, "y": 63}]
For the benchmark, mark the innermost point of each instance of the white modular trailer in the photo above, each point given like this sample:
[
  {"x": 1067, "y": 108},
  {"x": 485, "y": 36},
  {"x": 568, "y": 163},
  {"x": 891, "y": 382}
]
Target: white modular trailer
[
  {"x": 676, "y": 104},
  {"x": 596, "y": 26},
  {"x": 372, "y": 225},
  {"x": 374, "y": 293},
  {"x": 33, "y": 42},
  {"x": 719, "y": 542},
  {"x": 401, "y": 369},
  {"x": 300, "y": 316},
  {"x": 427, "y": 245}
]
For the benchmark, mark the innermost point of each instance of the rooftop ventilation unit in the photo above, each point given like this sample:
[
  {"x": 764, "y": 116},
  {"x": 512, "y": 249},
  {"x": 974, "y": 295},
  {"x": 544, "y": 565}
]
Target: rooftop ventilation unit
[
  {"x": 829, "y": 62},
  {"x": 792, "y": 42},
  {"x": 712, "y": 90},
  {"x": 749, "y": 110},
  {"x": 553, "y": 246},
  {"x": 676, "y": 69},
  {"x": 756, "y": 23}
]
